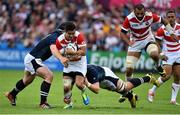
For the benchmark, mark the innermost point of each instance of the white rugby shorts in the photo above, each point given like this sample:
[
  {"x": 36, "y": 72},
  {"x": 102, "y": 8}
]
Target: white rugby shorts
[
  {"x": 31, "y": 63},
  {"x": 138, "y": 46},
  {"x": 173, "y": 57},
  {"x": 77, "y": 66}
]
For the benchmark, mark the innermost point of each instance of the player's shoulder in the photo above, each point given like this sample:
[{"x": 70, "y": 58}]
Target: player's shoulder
[
  {"x": 77, "y": 33},
  {"x": 61, "y": 37},
  {"x": 131, "y": 15},
  {"x": 161, "y": 28},
  {"x": 148, "y": 13}
]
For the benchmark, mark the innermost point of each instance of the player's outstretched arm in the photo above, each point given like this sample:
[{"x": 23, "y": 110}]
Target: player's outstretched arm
[
  {"x": 57, "y": 54},
  {"x": 93, "y": 87}
]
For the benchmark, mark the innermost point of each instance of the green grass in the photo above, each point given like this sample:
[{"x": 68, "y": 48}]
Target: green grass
[{"x": 103, "y": 103}]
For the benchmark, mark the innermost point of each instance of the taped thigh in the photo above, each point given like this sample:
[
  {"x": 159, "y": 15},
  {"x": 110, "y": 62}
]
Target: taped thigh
[
  {"x": 152, "y": 48},
  {"x": 67, "y": 82},
  {"x": 121, "y": 86},
  {"x": 131, "y": 61}
]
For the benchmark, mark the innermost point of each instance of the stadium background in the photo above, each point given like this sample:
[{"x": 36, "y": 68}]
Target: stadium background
[{"x": 23, "y": 23}]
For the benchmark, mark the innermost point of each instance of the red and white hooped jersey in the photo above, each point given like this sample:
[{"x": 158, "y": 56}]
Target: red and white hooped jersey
[
  {"x": 169, "y": 44},
  {"x": 79, "y": 39},
  {"x": 140, "y": 30}
]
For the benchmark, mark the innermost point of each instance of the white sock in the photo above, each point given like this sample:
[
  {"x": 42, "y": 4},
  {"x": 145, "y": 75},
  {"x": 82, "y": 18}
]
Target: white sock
[
  {"x": 153, "y": 89},
  {"x": 175, "y": 89}
]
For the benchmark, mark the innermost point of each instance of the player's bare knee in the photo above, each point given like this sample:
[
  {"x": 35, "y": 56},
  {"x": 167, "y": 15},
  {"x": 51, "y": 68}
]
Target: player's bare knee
[
  {"x": 49, "y": 77},
  {"x": 129, "y": 72},
  {"x": 154, "y": 55},
  {"x": 67, "y": 89},
  {"x": 79, "y": 84},
  {"x": 67, "y": 84}
]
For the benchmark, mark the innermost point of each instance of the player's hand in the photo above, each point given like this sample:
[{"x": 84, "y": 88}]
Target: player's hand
[
  {"x": 74, "y": 58},
  {"x": 163, "y": 57},
  {"x": 65, "y": 61},
  {"x": 70, "y": 52}
]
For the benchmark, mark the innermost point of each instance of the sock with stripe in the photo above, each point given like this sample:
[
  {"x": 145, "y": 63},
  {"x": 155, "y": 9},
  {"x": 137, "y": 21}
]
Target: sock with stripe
[
  {"x": 45, "y": 87},
  {"x": 19, "y": 87}
]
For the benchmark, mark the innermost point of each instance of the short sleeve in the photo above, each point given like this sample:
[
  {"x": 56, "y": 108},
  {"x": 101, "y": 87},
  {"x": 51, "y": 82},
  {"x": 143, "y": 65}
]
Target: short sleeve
[
  {"x": 81, "y": 40},
  {"x": 160, "y": 34},
  {"x": 58, "y": 44},
  {"x": 156, "y": 18},
  {"x": 126, "y": 25}
]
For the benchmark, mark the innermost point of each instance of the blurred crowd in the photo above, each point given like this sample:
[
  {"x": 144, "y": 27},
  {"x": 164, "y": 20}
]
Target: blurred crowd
[{"x": 24, "y": 22}]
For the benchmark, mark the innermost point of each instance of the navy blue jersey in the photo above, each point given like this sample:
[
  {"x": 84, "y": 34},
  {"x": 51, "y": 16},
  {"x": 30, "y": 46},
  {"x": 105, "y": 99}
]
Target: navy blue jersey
[
  {"x": 42, "y": 49},
  {"x": 95, "y": 73}
]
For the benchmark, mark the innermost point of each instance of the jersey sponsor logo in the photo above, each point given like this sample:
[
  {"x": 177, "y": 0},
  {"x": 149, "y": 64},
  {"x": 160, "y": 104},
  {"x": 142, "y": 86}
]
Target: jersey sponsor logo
[
  {"x": 134, "y": 25},
  {"x": 167, "y": 33}
]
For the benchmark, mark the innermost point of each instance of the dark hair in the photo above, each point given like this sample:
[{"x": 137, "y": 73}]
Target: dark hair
[
  {"x": 139, "y": 7},
  {"x": 68, "y": 26},
  {"x": 62, "y": 26},
  {"x": 170, "y": 11}
]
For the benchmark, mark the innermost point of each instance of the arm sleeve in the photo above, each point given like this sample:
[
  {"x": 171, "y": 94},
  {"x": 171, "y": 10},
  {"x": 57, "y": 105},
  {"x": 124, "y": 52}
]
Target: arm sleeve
[
  {"x": 125, "y": 26},
  {"x": 58, "y": 45},
  {"x": 156, "y": 18},
  {"x": 160, "y": 34},
  {"x": 81, "y": 40}
]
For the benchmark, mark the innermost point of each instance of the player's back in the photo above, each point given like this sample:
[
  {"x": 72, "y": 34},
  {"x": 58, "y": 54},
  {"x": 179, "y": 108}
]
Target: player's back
[
  {"x": 95, "y": 73},
  {"x": 42, "y": 49}
]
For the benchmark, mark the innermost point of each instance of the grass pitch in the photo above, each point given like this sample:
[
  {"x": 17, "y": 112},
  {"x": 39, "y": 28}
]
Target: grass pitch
[{"x": 103, "y": 103}]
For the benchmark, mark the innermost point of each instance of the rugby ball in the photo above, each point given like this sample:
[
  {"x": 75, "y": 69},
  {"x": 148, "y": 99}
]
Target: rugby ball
[{"x": 72, "y": 46}]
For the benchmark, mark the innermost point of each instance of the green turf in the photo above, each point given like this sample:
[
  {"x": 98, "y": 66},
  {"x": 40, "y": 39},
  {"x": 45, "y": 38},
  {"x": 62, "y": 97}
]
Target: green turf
[{"x": 103, "y": 103}]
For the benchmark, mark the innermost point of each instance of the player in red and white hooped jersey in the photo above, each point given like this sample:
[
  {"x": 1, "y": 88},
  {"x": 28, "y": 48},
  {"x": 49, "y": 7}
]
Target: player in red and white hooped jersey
[
  {"x": 75, "y": 70},
  {"x": 138, "y": 23},
  {"x": 171, "y": 52}
]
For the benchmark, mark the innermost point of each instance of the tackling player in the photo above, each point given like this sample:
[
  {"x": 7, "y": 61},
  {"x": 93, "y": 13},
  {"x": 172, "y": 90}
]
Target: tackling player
[
  {"x": 102, "y": 77},
  {"x": 77, "y": 67},
  {"x": 34, "y": 66},
  {"x": 171, "y": 51}
]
